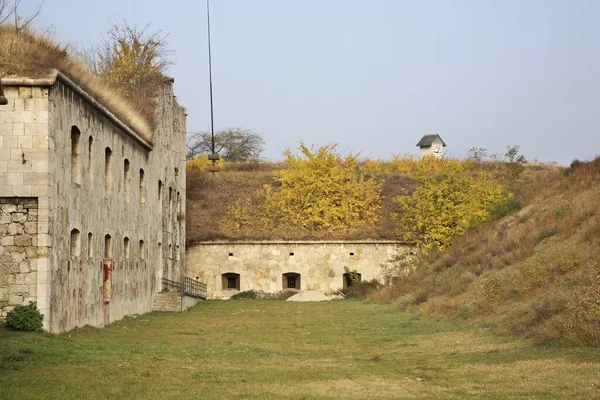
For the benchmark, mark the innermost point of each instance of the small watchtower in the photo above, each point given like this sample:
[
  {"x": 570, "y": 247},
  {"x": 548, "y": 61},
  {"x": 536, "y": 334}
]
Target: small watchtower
[{"x": 431, "y": 145}]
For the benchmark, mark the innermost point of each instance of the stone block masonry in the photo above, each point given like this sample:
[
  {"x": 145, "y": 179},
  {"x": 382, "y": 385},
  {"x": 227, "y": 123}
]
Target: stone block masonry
[
  {"x": 272, "y": 266},
  {"x": 106, "y": 218},
  {"x": 18, "y": 252}
]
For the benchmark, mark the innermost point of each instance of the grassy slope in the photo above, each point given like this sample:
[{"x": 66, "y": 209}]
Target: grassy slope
[
  {"x": 535, "y": 273},
  {"x": 281, "y": 350},
  {"x": 209, "y": 196}
]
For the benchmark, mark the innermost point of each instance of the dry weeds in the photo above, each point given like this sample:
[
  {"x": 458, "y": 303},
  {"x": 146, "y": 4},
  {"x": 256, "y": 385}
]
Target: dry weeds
[{"x": 29, "y": 54}]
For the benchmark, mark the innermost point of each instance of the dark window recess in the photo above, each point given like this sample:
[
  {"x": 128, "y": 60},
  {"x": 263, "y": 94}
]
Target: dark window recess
[
  {"x": 291, "y": 280},
  {"x": 351, "y": 279},
  {"x": 291, "y": 254},
  {"x": 230, "y": 281},
  {"x": 351, "y": 254},
  {"x": 230, "y": 254}
]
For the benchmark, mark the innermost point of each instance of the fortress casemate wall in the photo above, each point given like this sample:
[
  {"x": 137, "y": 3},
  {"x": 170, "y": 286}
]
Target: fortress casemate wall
[{"x": 266, "y": 265}]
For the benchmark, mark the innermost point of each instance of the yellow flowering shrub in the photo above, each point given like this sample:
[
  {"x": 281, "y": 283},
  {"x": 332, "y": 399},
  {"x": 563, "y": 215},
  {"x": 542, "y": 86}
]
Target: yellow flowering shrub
[
  {"x": 319, "y": 189},
  {"x": 451, "y": 198}
]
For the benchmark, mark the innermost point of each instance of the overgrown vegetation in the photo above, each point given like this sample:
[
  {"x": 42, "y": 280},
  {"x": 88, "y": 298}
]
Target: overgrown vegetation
[
  {"x": 318, "y": 193},
  {"x": 534, "y": 272},
  {"x": 25, "y": 318},
  {"x": 124, "y": 74},
  {"x": 247, "y": 294}
]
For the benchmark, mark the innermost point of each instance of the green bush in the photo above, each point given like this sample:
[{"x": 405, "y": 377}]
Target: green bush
[
  {"x": 248, "y": 294},
  {"x": 504, "y": 207},
  {"x": 25, "y": 318}
]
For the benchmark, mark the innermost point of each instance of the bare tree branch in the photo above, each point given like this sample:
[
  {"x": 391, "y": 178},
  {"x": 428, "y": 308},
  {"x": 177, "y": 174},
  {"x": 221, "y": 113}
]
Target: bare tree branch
[{"x": 234, "y": 145}]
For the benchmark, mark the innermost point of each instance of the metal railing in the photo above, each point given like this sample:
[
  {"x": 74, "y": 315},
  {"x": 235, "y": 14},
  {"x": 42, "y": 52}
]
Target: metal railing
[
  {"x": 190, "y": 287},
  {"x": 194, "y": 288}
]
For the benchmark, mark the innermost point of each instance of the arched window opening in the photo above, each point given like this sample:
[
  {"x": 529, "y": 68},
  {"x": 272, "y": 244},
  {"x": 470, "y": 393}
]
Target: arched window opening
[
  {"x": 90, "y": 245},
  {"x": 127, "y": 180},
  {"x": 160, "y": 257},
  {"x": 142, "y": 189},
  {"x": 230, "y": 281},
  {"x": 170, "y": 203},
  {"x": 291, "y": 280},
  {"x": 160, "y": 197},
  {"x": 108, "y": 179},
  {"x": 142, "y": 250},
  {"x": 75, "y": 155},
  {"x": 178, "y": 203},
  {"x": 75, "y": 243},
  {"x": 126, "y": 249},
  {"x": 107, "y": 247},
  {"x": 90, "y": 161}
]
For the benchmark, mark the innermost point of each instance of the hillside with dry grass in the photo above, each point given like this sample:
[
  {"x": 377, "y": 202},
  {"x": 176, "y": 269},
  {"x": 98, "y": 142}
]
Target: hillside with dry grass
[
  {"x": 229, "y": 205},
  {"x": 210, "y": 197},
  {"x": 535, "y": 272},
  {"x": 26, "y": 54}
]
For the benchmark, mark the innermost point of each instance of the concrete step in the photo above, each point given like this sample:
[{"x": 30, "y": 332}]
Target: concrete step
[{"x": 167, "y": 301}]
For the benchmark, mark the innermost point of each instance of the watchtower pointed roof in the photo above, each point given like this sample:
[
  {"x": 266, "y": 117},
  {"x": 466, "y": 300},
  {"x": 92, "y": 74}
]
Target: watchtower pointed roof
[{"x": 428, "y": 140}]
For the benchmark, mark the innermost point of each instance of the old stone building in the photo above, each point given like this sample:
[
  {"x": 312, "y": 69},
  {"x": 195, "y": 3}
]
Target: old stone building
[{"x": 91, "y": 212}]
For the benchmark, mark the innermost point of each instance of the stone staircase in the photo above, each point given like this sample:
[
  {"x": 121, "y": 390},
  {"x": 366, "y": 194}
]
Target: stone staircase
[{"x": 167, "y": 301}]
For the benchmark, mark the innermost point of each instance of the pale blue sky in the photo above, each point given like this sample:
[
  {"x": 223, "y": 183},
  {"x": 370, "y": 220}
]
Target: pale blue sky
[{"x": 377, "y": 75}]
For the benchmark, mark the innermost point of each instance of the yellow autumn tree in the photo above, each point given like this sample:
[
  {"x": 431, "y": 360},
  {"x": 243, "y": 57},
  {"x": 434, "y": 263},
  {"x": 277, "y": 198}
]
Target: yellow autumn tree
[
  {"x": 451, "y": 198},
  {"x": 319, "y": 189},
  {"x": 133, "y": 60}
]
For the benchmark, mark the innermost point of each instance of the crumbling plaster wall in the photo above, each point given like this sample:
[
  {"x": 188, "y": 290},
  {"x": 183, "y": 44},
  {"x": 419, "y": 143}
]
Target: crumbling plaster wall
[
  {"x": 36, "y": 166},
  {"x": 77, "y": 280},
  {"x": 261, "y": 265}
]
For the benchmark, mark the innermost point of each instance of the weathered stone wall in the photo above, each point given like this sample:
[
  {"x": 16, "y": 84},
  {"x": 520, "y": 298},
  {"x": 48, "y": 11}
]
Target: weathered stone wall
[
  {"x": 261, "y": 265},
  {"x": 18, "y": 252},
  {"x": 131, "y": 211},
  {"x": 24, "y": 166},
  {"x": 76, "y": 211}
]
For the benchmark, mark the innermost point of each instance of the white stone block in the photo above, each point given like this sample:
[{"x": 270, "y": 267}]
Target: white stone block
[
  {"x": 44, "y": 240},
  {"x": 4, "y": 154},
  {"x": 25, "y": 117},
  {"x": 18, "y": 129},
  {"x": 23, "y": 191},
  {"x": 10, "y": 142},
  {"x": 36, "y": 129},
  {"x": 19, "y": 104},
  {"x": 25, "y": 142},
  {"x": 41, "y": 104},
  {"x": 20, "y": 165},
  {"x": 40, "y": 142},
  {"x": 5, "y": 128},
  {"x": 40, "y": 190},
  {"x": 39, "y": 117},
  {"x": 3, "y": 167},
  {"x": 35, "y": 178},
  {"x": 35, "y": 154},
  {"x": 13, "y": 178},
  {"x": 42, "y": 290},
  {"x": 11, "y": 92}
]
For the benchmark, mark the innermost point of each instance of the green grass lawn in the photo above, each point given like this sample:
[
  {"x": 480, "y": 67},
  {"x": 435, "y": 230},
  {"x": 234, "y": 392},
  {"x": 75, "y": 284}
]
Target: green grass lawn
[{"x": 251, "y": 349}]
